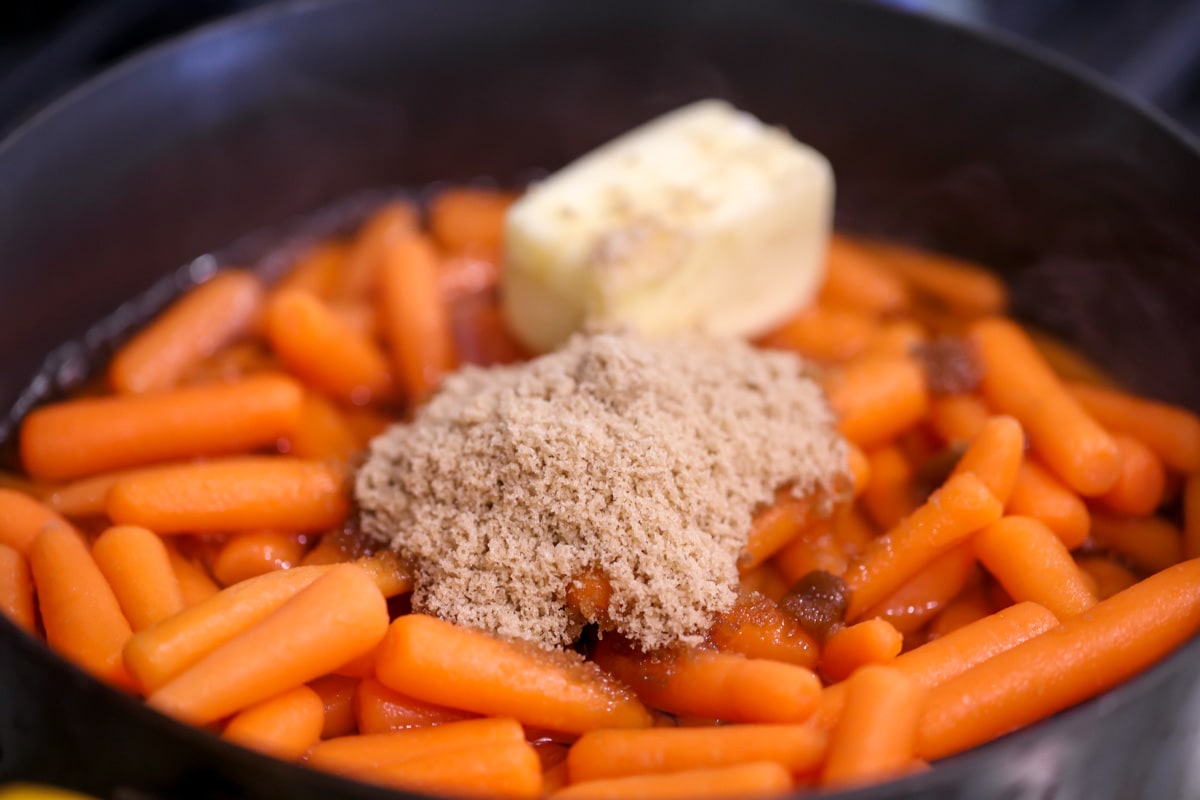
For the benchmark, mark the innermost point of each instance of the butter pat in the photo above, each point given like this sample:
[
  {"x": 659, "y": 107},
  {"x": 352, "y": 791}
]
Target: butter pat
[{"x": 704, "y": 221}]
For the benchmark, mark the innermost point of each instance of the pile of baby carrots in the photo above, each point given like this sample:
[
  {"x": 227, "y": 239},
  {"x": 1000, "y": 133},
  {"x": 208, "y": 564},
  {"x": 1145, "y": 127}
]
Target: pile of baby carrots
[{"x": 1018, "y": 540}]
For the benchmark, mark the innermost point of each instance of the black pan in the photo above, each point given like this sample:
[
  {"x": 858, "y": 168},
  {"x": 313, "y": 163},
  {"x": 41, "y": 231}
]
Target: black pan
[{"x": 938, "y": 135}]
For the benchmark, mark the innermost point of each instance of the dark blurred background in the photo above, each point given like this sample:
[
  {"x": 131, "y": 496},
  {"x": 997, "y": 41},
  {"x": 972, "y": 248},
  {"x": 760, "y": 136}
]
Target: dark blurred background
[{"x": 1150, "y": 48}]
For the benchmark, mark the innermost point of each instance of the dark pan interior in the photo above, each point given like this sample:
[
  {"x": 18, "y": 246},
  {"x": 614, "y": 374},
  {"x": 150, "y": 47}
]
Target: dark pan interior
[{"x": 938, "y": 136}]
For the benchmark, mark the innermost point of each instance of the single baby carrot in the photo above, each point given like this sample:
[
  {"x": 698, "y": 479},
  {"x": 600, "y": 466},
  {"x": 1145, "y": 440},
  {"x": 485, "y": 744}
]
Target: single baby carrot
[
  {"x": 324, "y": 352},
  {"x": 360, "y": 274},
  {"x": 505, "y": 771},
  {"x": 469, "y": 220},
  {"x": 773, "y": 527},
  {"x": 1031, "y": 563},
  {"x": 1039, "y": 494},
  {"x": 194, "y": 327},
  {"x": 757, "y": 627},
  {"x": 378, "y": 709},
  {"x": 928, "y": 592},
  {"x": 1081, "y": 658},
  {"x": 613, "y": 754},
  {"x": 339, "y": 616},
  {"x": 23, "y": 518},
  {"x": 316, "y": 271},
  {"x": 1017, "y": 381},
  {"x": 873, "y": 641},
  {"x": 957, "y": 417},
  {"x": 232, "y": 495},
  {"x": 1109, "y": 576},
  {"x": 138, "y": 568},
  {"x": 967, "y": 289},
  {"x": 283, "y": 727},
  {"x": 1170, "y": 431},
  {"x": 1142, "y": 484},
  {"x": 248, "y": 555},
  {"x": 855, "y": 279},
  {"x": 91, "y": 435},
  {"x": 890, "y": 495},
  {"x": 960, "y": 507},
  {"x": 194, "y": 581},
  {"x": 1191, "y": 517},
  {"x": 415, "y": 318},
  {"x": 323, "y": 433},
  {"x": 16, "y": 589},
  {"x": 361, "y": 756},
  {"x": 1150, "y": 543},
  {"x": 821, "y": 333},
  {"x": 713, "y": 685},
  {"x": 876, "y": 399},
  {"x": 86, "y": 497},
  {"x": 337, "y": 697},
  {"x": 995, "y": 456},
  {"x": 756, "y": 779},
  {"x": 876, "y": 736},
  {"x": 159, "y": 653},
  {"x": 80, "y": 613}
]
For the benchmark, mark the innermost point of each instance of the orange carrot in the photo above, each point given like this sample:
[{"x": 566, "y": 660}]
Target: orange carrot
[
  {"x": 334, "y": 547},
  {"x": 248, "y": 555},
  {"x": 283, "y": 727},
  {"x": 721, "y": 686},
  {"x": 231, "y": 495},
  {"x": 859, "y": 466},
  {"x": 1173, "y": 433},
  {"x": 1018, "y": 381},
  {"x": 439, "y": 662},
  {"x": 590, "y": 593},
  {"x": 995, "y": 456},
  {"x": 138, "y": 568},
  {"x": 469, "y": 220},
  {"x": 16, "y": 589},
  {"x": 756, "y": 779},
  {"x": 505, "y": 771},
  {"x": 962, "y": 506},
  {"x": 360, "y": 274},
  {"x": 361, "y": 756},
  {"x": 967, "y": 289},
  {"x": 415, "y": 318},
  {"x": 87, "y": 497},
  {"x": 1191, "y": 517},
  {"x": 928, "y": 592},
  {"x": 1142, "y": 484},
  {"x": 91, "y": 435},
  {"x": 899, "y": 337},
  {"x": 1108, "y": 576},
  {"x": 316, "y": 271},
  {"x": 341, "y": 615},
  {"x": 855, "y": 279},
  {"x": 767, "y": 580},
  {"x": 1081, "y": 658},
  {"x": 971, "y": 605},
  {"x": 22, "y": 519},
  {"x": 194, "y": 582},
  {"x": 196, "y": 326},
  {"x": 614, "y": 754},
  {"x": 378, "y": 709},
  {"x": 235, "y": 362},
  {"x": 325, "y": 353},
  {"x": 365, "y": 423},
  {"x": 815, "y": 548},
  {"x": 820, "y": 333},
  {"x": 159, "y": 653},
  {"x": 1031, "y": 563},
  {"x": 80, "y": 613},
  {"x": 388, "y": 571},
  {"x": 322, "y": 433},
  {"x": 359, "y": 316},
  {"x": 337, "y": 697},
  {"x": 873, "y": 641},
  {"x": 1038, "y": 494},
  {"x": 876, "y": 399},
  {"x": 957, "y": 417},
  {"x": 876, "y": 736},
  {"x": 757, "y": 628},
  {"x": 773, "y": 527},
  {"x": 890, "y": 495},
  {"x": 1150, "y": 543}
]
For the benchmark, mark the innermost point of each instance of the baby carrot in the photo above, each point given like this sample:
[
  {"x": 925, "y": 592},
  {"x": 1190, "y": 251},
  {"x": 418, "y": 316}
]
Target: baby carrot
[
  {"x": 248, "y": 555},
  {"x": 898, "y": 337},
  {"x": 876, "y": 399},
  {"x": 928, "y": 592},
  {"x": 876, "y": 736},
  {"x": 194, "y": 582},
  {"x": 855, "y": 279},
  {"x": 439, "y": 662},
  {"x": 1039, "y": 494},
  {"x": 1109, "y": 576},
  {"x": 613, "y": 754},
  {"x": 757, "y": 627},
  {"x": 1191, "y": 517},
  {"x": 232, "y": 495},
  {"x": 1142, "y": 484},
  {"x": 966, "y": 289},
  {"x": 1081, "y": 658},
  {"x": 773, "y": 527},
  {"x": 359, "y": 276},
  {"x": 136, "y": 564},
  {"x": 86, "y": 497},
  {"x": 816, "y": 548},
  {"x": 323, "y": 433},
  {"x": 415, "y": 318},
  {"x": 723, "y": 686},
  {"x": 756, "y": 779},
  {"x": 337, "y": 697},
  {"x": 80, "y": 613},
  {"x": 1170, "y": 431},
  {"x": 995, "y": 456},
  {"x": 820, "y": 333},
  {"x": 873, "y": 641},
  {"x": 161, "y": 652},
  {"x": 957, "y": 417},
  {"x": 325, "y": 353},
  {"x": 91, "y": 435},
  {"x": 1018, "y": 381},
  {"x": 960, "y": 507},
  {"x": 22, "y": 519},
  {"x": 194, "y": 327},
  {"x": 1151, "y": 543},
  {"x": 1031, "y": 563},
  {"x": 316, "y": 271},
  {"x": 469, "y": 220},
  {"x": 339, "y": 616},
  {"x": 388, "y": 571},
  {"x": 504, "y": 771},
  {"x": 283, "y": 727},
  {"x": 378, "y": 709},
  {"x": 361, "y": 756},
  {"x": 890, "y": 495},
  {"x": 16, "y": 589}
]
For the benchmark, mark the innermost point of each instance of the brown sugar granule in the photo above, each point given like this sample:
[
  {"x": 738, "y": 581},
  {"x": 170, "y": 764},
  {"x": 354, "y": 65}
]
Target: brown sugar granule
[{"x": 638, "y": 460}]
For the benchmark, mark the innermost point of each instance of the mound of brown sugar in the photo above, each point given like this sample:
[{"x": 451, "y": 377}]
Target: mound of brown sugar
[{"x": 641, "y": 459}]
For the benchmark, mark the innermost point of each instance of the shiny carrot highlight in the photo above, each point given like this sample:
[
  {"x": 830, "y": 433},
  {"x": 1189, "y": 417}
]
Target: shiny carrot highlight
[{"x": 248, "y": 555}]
